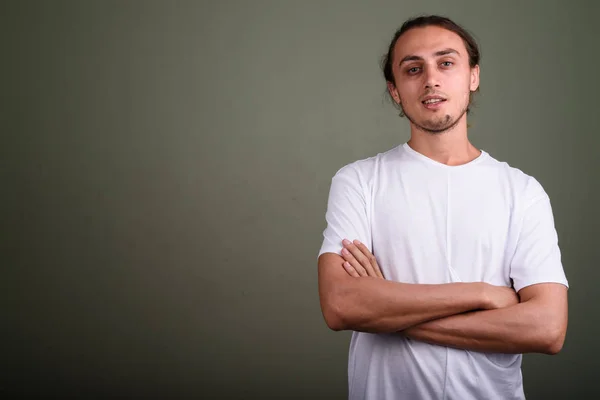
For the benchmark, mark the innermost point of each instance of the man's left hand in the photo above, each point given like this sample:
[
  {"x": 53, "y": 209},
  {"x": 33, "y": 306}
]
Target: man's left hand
[{"x": 359, "y": 261}]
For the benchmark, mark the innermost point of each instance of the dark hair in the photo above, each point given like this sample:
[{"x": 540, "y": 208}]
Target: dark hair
[{"x": 421, "y": 22}]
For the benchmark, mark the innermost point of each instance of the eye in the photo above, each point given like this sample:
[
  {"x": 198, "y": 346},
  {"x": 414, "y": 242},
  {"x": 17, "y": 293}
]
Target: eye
[
  {"x": 413, "y": 70},
  {"x": 447, "y": 63}
]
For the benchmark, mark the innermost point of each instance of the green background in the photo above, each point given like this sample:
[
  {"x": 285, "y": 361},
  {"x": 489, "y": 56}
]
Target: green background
[{"x": 165, "y": 167}]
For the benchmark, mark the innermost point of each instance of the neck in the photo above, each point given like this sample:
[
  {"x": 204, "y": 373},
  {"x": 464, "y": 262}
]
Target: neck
[{"x": 451, "y": 147}]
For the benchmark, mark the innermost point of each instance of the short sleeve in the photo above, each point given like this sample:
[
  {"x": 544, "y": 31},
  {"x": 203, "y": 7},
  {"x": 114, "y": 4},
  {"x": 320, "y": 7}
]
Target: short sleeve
[
  {"x": 537, "y": 257},
  {"x": 346, "y": 215}
]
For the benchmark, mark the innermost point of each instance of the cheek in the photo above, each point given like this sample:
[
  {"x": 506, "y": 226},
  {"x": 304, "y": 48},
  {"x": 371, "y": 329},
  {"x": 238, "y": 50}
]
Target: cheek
[
  {"x": 408, "y": 94},
  {"x": 462, "y": 89}
]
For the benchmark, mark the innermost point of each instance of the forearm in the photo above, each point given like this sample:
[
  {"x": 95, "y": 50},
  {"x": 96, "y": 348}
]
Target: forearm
[
  {"x": 378, "y": 306},
  {"x": 521, "y": 328}
]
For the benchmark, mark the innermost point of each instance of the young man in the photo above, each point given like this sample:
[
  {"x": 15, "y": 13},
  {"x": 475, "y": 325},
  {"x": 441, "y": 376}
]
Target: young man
[{"x": 442, "y": 260}]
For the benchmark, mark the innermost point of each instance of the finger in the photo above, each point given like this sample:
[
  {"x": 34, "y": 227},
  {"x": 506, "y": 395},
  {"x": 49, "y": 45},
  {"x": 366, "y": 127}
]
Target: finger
[
  {"x": 349, "y": 257},
  {"x": 362, "y": 258},
  {"x": 359, "y": 261},
  {"x": 370, "y": 256},
  {"x": 350, "y": 270}
]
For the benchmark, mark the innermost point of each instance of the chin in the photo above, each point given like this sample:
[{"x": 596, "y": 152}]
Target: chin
[{"x": 437, "y": 125}]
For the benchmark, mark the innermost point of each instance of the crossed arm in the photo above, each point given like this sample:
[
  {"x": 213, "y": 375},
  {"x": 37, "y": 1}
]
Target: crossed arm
[
  {"x": 537, "y": 324},
  {"x": 472, "y": 316}
]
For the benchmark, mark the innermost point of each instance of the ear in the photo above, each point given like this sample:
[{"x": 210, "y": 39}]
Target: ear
[
  {"x": 474, "y": 78},
  {"x": 393, "y": 92}
]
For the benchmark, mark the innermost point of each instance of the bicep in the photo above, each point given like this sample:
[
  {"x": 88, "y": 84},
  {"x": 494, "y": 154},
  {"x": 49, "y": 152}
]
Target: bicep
[
  {"x": 331, "y": 275},
  {"x": 548, "y": 293},
  {"x": 332, "y": 278},
  {"x": 551, "y": 301},
  {"x": 346, "y": 218}
]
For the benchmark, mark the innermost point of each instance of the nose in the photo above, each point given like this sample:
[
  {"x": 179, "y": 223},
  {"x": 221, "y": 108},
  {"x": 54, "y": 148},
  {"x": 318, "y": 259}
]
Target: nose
[{"x": 432, "y": 77}]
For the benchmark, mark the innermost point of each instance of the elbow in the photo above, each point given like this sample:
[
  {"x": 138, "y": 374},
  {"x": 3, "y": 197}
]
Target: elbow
[
  {"x": 333, "y": 314},
  {"x": 553, "y": 341},
  {"x": 554, "y": 349},
  {"x": 555, "y": 346},
  {"x": 333, "y": 321}
]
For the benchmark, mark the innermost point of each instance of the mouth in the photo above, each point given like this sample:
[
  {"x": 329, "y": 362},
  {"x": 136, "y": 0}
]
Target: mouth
[{"x": 433, "y": 103}]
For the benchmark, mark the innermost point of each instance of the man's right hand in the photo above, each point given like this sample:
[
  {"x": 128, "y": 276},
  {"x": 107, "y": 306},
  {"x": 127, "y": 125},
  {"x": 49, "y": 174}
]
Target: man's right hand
[{"x": 499, "y": 297}]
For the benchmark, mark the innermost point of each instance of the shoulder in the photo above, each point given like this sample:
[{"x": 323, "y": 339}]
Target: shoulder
[
  {"x": 367, "y": 166},
  {"x": 524, "y": 186},
  {"x": 364, "y": 170}
]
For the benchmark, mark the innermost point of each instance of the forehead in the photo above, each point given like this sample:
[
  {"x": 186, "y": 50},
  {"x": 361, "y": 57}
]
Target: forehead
[{"x": 425, "y": 41}]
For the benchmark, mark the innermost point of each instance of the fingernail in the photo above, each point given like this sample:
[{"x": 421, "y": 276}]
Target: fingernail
[
  {"x": 346, "y": 241},
  {"x": 345, "y": 251},
  {"x": 357, "y": 242}
]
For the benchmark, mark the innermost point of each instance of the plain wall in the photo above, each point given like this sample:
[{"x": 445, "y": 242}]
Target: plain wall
[{"x": 165, "y": 168}]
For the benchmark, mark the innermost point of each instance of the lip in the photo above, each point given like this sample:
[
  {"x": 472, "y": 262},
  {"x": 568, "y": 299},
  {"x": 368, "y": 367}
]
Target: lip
[{"x": 433, "y": 106}]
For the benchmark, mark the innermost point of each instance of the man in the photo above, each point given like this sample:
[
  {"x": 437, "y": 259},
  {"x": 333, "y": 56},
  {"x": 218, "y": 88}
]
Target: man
[{"x": 442, "y": 260}]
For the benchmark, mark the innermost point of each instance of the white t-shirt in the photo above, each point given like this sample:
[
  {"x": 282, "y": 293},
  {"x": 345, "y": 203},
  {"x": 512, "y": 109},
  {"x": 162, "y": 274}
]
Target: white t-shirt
[{"x": 427, "y": 222}]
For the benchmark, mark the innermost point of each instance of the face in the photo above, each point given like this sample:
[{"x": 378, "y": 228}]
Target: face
[{"x": 433, "y": 79}]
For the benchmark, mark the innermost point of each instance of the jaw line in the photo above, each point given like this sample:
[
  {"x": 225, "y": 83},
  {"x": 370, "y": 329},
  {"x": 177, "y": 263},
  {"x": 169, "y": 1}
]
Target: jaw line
[
  {"x": 442, "y": 130},
  {"x": 437, "y": 131}
]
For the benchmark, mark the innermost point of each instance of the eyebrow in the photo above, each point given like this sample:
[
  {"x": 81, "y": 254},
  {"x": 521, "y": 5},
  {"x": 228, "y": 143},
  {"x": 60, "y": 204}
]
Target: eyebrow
[{"x": 436, "y": 54}]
